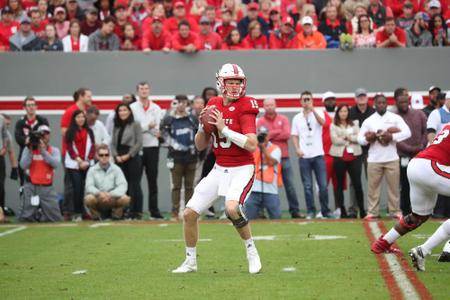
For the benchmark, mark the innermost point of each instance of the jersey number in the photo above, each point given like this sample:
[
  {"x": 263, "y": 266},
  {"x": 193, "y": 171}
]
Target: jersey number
[
  {"x": 254, "y": 103},
  {"x": 444, "y": 134},
  {"x": 223, "y": 141}
]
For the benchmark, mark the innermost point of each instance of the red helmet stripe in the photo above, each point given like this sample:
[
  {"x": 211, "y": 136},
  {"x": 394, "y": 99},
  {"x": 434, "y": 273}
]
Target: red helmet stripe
[{"x": 235, "y": 69}]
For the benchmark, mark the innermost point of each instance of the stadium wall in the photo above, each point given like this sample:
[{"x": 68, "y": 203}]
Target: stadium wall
[{"x": 52, "y": 78}]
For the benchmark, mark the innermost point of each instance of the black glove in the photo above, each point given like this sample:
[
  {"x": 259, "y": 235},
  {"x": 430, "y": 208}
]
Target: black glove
[{"x": 14, "y": 174}]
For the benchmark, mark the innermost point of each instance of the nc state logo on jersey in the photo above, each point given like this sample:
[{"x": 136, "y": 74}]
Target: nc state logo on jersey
[{"x": 232, "y": 108}]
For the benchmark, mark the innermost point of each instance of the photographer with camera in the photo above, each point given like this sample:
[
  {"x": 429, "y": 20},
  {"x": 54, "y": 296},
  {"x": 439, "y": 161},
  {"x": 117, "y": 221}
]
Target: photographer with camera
[
  {"x": 31, "y": 121},
  {"x": 267, "y": 178},
  {"x": 39, "y": 160}
]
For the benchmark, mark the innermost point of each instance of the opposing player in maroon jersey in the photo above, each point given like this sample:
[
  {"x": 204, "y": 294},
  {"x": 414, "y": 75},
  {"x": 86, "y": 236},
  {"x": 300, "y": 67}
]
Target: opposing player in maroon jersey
[
  {"x": 234, "y": 140},
  {"x": 428, "y": 175}
]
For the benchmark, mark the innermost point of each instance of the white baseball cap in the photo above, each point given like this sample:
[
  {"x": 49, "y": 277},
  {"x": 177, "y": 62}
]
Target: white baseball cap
[
  {"x": 307, "y": 20},
  {"x": 434, "y": 3},
  {"x": 328, "y": 95}
]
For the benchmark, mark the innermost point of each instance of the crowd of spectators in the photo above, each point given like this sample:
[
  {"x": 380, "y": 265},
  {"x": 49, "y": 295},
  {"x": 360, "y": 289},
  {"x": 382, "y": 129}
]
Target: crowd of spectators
[
  {"x": 104, "y": 164},
  {"x": 203, "y": 25}
]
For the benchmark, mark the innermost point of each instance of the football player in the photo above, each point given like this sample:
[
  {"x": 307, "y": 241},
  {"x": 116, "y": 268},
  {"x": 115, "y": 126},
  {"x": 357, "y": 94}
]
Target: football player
[
  {"x": 428, "y": 175},
  {"x": 234, "y": 140}
]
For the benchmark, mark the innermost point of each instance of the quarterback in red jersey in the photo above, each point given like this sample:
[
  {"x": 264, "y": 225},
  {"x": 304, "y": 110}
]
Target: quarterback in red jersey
[
  {"x": 234, "y": 140},
  {"x": 428, "y": 175}
]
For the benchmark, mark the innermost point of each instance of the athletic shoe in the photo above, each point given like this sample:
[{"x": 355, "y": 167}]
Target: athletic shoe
[
  {"x": 297, "y": 215},
  {"x": 371, "y": 217},
  {"x": 254, "y": 263},
  {"x": 320, "y": 216},
  {"x": 444, "y": 257},
  {"x": 417, "y": 257},
  {"x": 188, "y": 266},
  {"x": 337, "y": 213},
  {"x": 382, "y": 246},
  {"x": 156, "y": 215},
  {"x": 309, "y": 216}
]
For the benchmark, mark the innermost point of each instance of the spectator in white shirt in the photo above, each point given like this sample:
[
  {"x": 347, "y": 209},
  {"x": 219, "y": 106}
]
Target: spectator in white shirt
[
  {"x": 100, "y": 133},
  {"x": 307, "y": 139},
  {"x": 148, "y": 114},
  {"x": 381, "y": 131}
]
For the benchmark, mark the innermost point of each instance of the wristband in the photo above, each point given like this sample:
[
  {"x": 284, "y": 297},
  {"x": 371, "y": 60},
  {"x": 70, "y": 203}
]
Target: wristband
[{"x": 235, "y": 137}]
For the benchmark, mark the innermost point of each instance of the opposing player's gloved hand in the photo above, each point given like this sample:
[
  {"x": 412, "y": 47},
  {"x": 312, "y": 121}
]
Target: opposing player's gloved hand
[{"x": 14, "y": 174}]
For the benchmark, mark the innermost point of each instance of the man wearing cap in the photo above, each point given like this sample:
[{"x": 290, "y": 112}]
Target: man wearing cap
[
  {"x": 8, "y": 27},
  {"x": 406, "y": 20},
  {"x": 252, "y": 15},
  {"x": 360, "y": 112},
  {"x": 39, "y": 199},
  {"x": 179, "y": 14},
  {"x": 61, "y": 24},
  {"x": 30, "y": 122},
  {"x": 209, "y": 40},
  {"x": 24, "y": 39},
  {"x": 310, "y": 38},
  {"x": 407, "y": 149},
  {"x": 185, "y": 40},
  {"x": 433, "y": 92},
  {"x": 156, "y": 38},
  {"x": 279, "y": 134},
  {"x": 104, "y": 39},
  {"x": 418, "y": 35},
  {"x": 285, "y": 37},
  {"x": 268, "y": 179},
  {"x": 434, "y": 7},
  {"x": 91, "y": 23},
  {"x": 391, "y": 36},
  {"x": 122, "y": 18}
]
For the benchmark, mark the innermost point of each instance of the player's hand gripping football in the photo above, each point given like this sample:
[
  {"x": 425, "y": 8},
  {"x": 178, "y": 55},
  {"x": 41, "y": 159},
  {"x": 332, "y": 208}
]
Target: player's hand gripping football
[{"x": 217, "y": 120}]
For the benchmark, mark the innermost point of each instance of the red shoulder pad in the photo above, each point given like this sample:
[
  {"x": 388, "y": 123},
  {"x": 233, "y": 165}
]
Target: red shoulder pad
[{"x": 249, "y": 105}]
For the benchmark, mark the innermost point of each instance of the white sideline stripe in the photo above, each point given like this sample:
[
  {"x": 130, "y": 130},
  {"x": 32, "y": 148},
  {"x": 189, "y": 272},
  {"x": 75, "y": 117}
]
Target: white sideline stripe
[
  {"x": 11, "y": 231},
  {"x": 97, "y": 225},
  {"x": 407, "y": 288},
  {"x": 182, "y": 240}
]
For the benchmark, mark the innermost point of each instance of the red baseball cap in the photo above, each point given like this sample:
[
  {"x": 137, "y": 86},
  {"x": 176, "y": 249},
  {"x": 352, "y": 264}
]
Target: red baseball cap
[
  {"x": 179, "y": 4},
  {"x": 252, "y": 6},
  {"x": 288, "y": 20}
]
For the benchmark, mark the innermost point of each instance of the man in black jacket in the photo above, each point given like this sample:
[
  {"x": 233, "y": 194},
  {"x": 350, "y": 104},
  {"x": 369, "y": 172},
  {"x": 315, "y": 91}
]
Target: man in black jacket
[
  {"x": 24, "y": 39},
  {"x": 24, "y": 126}
]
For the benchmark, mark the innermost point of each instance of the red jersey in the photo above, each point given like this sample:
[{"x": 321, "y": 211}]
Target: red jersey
[
  {"x": 224, "y": 29},
  {"x": 171, "y": 25},
  {"x": 239, "y": 116},
  {"x": 149, "y": 40},
  {"x": 178, "y": 42},
  {"x": 6, "y": 31},
  {"x": 439, "y": 150},
  {"x": 258, "y": 43},
  {"x": 65, "y": 123},
  {"x": 400, "y": 33},
  {"x": 211, "y": 41}
]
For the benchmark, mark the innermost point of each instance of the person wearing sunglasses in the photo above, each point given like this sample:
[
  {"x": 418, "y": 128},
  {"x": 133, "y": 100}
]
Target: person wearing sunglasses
[
  {"x": 307, "y": 139},
  {"x": 106, "y": 187}
]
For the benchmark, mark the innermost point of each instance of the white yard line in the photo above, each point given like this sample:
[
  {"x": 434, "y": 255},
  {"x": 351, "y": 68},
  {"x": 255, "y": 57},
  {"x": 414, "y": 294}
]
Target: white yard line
[
  {"x": 11, "y": 231},
  {"x": 403, "y": 282}
]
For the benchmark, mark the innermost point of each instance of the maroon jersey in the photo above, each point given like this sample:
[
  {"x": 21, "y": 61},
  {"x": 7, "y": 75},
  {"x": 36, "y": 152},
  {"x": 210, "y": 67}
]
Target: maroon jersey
[
  {"x": 439, "y": 150},
  {"x": 239, "y": 116}
]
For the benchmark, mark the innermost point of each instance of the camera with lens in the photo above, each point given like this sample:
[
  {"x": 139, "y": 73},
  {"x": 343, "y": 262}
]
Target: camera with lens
[
  {"x": 35, "y": 139},
  {"x": 261, "y": 137}
]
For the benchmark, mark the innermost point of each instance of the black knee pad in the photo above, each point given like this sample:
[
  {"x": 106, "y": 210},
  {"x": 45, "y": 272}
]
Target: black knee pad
[
  {"x": 239, "y": 222},
  {"x": 412, "y": 221}
]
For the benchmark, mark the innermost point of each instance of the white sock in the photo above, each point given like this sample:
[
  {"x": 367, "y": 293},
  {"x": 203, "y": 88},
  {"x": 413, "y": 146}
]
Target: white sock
[
  {"x": 191, "y": 253},
  {"x": 440, "y": 235},
  {"x": 391, "y": 236},
  {"x": 249, "y": 245}
]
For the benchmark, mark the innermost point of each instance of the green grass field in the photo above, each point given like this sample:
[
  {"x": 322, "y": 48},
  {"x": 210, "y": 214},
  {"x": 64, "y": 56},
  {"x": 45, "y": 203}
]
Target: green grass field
[{"x": 133, "y": 261}]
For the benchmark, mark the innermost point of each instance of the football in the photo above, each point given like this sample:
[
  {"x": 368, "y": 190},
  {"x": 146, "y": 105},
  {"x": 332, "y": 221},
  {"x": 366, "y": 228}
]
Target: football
[{"x": 206, "y": 118}]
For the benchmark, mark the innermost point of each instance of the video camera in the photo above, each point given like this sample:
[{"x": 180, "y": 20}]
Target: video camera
[
  {"x": 262, "y": 133},
  {"x": 35, "y": 139}
]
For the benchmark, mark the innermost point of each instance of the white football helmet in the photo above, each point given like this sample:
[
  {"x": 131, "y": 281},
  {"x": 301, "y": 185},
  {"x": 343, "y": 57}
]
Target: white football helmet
[{"x": 231, "y": 71}]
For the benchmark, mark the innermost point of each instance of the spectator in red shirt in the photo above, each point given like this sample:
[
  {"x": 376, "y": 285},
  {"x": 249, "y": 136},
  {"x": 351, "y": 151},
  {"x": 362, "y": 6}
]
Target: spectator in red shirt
[
  {"x": 185, "y": 40},
  {"x": 8, "y": 27},
  {"x": 286, "y": 37},
  {"x": 210, "y": 13},
  {"x": 37, "y": 23},
  {"x": 122, "y": 19},
  {"x": 391, "y": 36},
  {"x": 74, "y": 11},
  {"x": 255, "y": 39},
  {"x": 130, "y": 42},
  {"x": 91, "y": 23},
  {"x": 156, "y": 38},
  {"x": 224, "y": 27},
  {"x": 179, "y": 14},
  {"x": 209, "y": 40},
  {"x": 233, "y": 41},
  {"x": 59, "y": 19}
]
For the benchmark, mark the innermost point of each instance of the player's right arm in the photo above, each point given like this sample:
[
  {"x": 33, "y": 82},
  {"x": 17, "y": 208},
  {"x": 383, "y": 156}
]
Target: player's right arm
[{"x": 202, "y": 139}]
